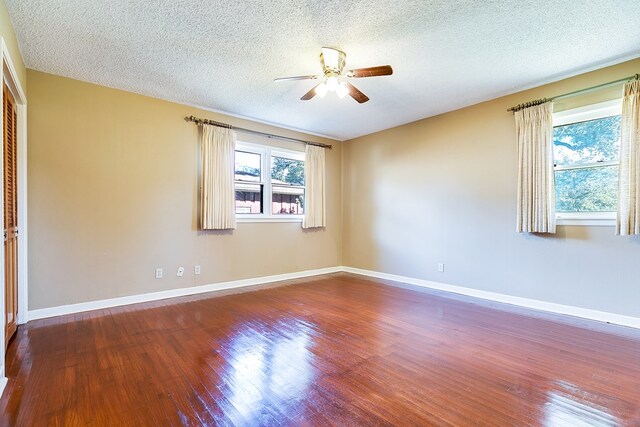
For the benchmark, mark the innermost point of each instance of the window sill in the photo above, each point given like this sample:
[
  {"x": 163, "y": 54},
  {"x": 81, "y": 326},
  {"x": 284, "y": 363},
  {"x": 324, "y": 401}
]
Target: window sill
[
  {"x": 597, "y": 219},
  {"x": 269, "y": 219}
]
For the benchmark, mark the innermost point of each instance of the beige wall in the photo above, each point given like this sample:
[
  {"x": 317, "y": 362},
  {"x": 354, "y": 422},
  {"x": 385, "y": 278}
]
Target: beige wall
[
  {"x": 7, "y": 33},
  {"x": 113, "y": 192},
  {"x": 444, "y": 190}
]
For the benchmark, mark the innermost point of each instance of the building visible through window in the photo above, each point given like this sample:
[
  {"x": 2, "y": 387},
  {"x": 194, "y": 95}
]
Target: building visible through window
[
  {"x": 287, "y": 184},
  {"x": 249, "y": 183},
  {"x": 266, "y": 176}
]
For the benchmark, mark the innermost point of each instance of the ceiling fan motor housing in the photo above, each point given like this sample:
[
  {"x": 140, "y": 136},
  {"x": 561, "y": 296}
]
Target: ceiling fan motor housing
[{"x": 333, "y": 61}]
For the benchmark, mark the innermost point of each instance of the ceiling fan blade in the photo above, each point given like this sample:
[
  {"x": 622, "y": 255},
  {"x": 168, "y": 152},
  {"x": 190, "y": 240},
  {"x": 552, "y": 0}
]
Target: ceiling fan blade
[
  {"x": 356, "y": 94},
  {"x": 307, "y": 96},
  {"x": 380, "y": 70},
  {"x": 285, "y": 79}
]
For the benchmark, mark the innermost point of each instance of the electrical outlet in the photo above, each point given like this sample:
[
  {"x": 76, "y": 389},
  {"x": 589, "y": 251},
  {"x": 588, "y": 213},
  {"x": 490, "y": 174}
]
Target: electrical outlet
[
  {"x": 196, "y": 270},
  {"x": 158, "y": 273},
  {"x": 441, "y": 267},
  {"x": 180, "y": 271}
]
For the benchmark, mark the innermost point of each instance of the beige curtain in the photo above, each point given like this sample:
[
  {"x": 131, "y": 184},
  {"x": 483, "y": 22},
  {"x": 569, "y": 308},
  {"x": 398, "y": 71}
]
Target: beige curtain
[
  {"x": 315, "y": 197},
  {"x": 536, "y": 192},
  {"x": 217, "y": 195},
  {"x": 628, "y": 219}
]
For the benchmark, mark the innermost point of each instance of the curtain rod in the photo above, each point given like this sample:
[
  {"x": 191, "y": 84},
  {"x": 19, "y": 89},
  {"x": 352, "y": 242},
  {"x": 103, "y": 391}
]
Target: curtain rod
[
  {"x": 254, "y": 132},
  {"x": 576, "y": 92}
]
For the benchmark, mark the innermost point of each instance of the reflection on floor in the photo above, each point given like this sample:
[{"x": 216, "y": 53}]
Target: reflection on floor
[{"x": 332, "y": 350}]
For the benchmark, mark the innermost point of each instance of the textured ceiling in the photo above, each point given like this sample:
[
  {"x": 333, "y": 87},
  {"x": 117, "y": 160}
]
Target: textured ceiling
[{"x": 223, "y": 55}]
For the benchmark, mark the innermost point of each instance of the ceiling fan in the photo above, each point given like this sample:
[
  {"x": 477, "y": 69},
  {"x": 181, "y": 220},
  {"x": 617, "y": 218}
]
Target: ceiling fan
[{"x": 333, "y": 62}]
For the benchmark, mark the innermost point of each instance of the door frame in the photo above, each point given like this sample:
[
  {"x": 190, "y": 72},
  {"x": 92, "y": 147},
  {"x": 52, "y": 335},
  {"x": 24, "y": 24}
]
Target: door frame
[{"x": 9, "y": 77}]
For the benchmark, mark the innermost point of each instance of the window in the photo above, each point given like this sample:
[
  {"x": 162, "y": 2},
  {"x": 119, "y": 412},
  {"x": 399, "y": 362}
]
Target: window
[
  {"x": 586, "y": 149},
  {"x": 287, "y": 185},
  {"x": 269, "y": 183},
  {"x": 249, "y": 182}
]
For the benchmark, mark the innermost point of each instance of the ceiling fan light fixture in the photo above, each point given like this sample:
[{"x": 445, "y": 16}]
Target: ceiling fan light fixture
[
  {"x": 342, "y": 90},
  {"x": 332, "y": 84},
  {"x": 321, "y": 90},
  {"x": 334, "y": 74}
]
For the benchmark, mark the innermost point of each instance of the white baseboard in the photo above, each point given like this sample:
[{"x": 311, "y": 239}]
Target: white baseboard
[
  {"x": 585, "y": 313},
  {"x": 3, "y": 384},
  {"x": 154, "y": 296}
]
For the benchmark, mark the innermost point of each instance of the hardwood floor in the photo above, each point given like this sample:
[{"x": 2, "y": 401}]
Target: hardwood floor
[{"x": 334, "y": 350}]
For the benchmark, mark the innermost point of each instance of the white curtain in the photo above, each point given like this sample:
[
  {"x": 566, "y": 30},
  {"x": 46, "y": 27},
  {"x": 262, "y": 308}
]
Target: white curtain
[
  {"x": 536, "y": 192},
  {"x": 628, "y": 220},
  {"x": 217, "y": 195},
  {"x": 315, "y": 197}
]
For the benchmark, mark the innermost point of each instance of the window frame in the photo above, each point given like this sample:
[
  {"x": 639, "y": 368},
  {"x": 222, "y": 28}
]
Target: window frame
[
  {"x": 577, "y": 115},
  {"x": 262, "y": 181},
  {"x": 266, "y": 152}
]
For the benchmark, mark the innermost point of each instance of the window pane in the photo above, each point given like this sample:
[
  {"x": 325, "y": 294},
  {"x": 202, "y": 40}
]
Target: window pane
[
  {"x": 287, "y": 171},
  {"x": 287, "y": 200},
  {"x": 587, "y": 142},
  {"x": 248, "y": 166},
  {"x": 248, "y": 198},
  {"x": 587, "y": 190}
]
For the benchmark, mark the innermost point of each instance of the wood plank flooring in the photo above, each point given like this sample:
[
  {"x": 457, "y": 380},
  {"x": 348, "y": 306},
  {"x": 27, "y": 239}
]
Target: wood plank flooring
[{"x": 333, "y": 350}]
